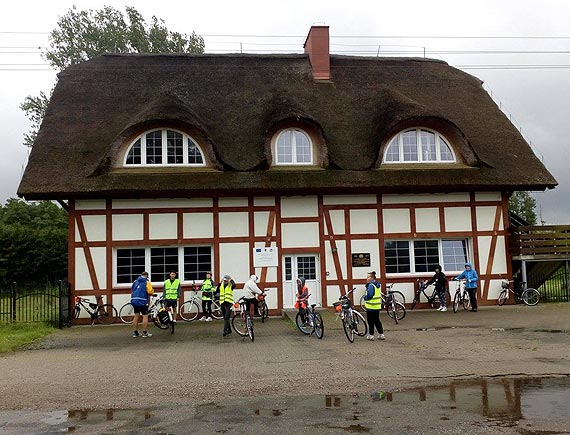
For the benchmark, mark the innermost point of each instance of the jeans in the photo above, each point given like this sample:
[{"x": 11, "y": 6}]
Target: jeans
[
  {"x": 227, "y": 311},
  {"x": 472, "y": 297},
  {"x": 373, "y": 317},
  {"x": 442, "y": 298},
  {"x": 207, "y": 308}
]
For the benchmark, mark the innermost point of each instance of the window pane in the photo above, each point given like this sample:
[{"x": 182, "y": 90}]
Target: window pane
[
  {"x": 284, "y": 148},
  {"x": 410, "y": 145},
  {"x": 393, "y": 152},
  {"x": 174, "y": 148},
  {"x": 426, "y": 255},
  {"x": 197, "y": 261},
  {"x": 288, "y": 269},
  {"x": 194, "y": 154},
  {"x": 454, "y": 254},
  {"x": 397, "y": 255},
  {"x": 302, "y": 147},
  {"x": 162, "y": 261},
  {"x": 306, "y": 267},
  {"x": 154, "y": 148},
  {"x": 445, "y": 151},
  {"x": 130, "y": 264},
  {"x": 428, "y": 146},
  {"x": 134, "y": 156}
]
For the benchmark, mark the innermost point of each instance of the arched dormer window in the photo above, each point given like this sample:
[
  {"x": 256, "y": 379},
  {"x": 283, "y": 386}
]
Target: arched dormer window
[
  {"x": 293, "y": 146},
  {"x": 164, "y": 147},
  {"x": 419, "y": 145}
]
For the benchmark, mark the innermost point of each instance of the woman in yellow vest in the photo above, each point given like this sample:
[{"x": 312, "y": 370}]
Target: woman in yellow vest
[
  {"x": 373, "y": 305},
  {"x": 226, "y": 291},
  {"x": 207, "y": 295},
  {"x": 172, "y": 293}
]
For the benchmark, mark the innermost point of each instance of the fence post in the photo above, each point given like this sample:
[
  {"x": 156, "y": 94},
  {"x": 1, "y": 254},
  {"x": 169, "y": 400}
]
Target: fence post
[
  {"x": 566, "y": 279},
  {"x": 13, "y": 301}
]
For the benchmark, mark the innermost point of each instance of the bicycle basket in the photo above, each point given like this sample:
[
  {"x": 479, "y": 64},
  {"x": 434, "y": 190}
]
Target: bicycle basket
[
  {"x": 163, "y": 316},
  {"x": 92, "y": 305},
  {"x": 505, "y": 283},
  {"x": 337, "y": 307}
]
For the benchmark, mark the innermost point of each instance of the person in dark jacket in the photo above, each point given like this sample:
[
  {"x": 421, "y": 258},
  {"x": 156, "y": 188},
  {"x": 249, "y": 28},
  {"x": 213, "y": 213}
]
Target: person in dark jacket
[
  {"x": 440, "y": 282},
  {"x": 470, "y": 276}
]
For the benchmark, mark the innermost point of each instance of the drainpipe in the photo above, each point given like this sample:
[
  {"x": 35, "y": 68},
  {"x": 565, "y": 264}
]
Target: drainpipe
[{"x": 523, "y": 269}]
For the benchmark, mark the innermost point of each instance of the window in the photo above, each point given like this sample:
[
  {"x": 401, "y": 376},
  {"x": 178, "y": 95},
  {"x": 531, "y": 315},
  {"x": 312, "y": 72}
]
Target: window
[
  {"x": 164, "y": 148},
  {"x": 421, "y": 256},
  {"x": 418, "y": 146},
  {"x": 190, "y": 262},
  {"x": 293, "y": 147},
  {"x": 307, "y": 267}
]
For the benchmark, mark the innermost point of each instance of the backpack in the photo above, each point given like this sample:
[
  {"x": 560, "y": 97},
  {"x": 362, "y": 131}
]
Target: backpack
[{"x": 139, "y": 297}]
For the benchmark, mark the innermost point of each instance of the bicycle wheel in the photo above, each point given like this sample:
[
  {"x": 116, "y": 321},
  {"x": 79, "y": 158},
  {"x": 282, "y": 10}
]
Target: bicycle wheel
[
  {"x": 360, "y": 325},
  {"x": 397, "y": 311},
  {"x": 239, "y": 324},
  {"x": 157, "y": 323},
  {"x": 263, "y": 311},
  {"x": 319, "y": 325},
  {"x": 75, "y": 313},
  {"x": 456, "y": 300},
  {"x": 303, "y": 327},
  {"x": 172, "y": 324},
  {"x": 466, "y": 301},
  {"x": 347, "y": 326},
  {"x": 502, "y": 298},
  {"x": 106, "y": 314},
  {"x": 415, "y": 301},
  {"x": 127, "y": 313},
  {"x": 217, "y": 311},
  {"x": 399, "y": 296},
  {"x": 249, "y": 325},
  {"x": 189, "y": 310},
  {"x": 531, "y": 297}
]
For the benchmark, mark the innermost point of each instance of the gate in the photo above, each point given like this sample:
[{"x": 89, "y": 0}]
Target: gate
[
  {"x": 557, "y": 287},
  {"x": 48, "y": 305}
]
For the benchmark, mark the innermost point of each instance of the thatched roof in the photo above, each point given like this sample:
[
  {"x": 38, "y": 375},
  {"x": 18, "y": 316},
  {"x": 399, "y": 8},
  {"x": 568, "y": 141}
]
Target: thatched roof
[{"x": 234, "y": 102}]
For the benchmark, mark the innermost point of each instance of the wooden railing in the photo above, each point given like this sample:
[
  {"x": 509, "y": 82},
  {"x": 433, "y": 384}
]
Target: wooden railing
[{"x": 541, "y": 241}]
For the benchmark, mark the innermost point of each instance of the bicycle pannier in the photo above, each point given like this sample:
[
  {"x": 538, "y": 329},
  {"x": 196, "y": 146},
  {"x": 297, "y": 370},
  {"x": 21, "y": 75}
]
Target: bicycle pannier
[{"x": 163, "y": 316}]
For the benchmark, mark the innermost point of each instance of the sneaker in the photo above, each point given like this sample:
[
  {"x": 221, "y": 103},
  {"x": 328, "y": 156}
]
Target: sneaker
[
  {"x": 136, "y": 334},
  {"x": 443, "y": 309},
  {"x": 370, "y": 337},
  {"x": 146, "y": 335},
  {"x": 209, "y": 319},
  {"x": 202, "y": 319},
  {"x": 381, "y": 337},
  {"x": 474, "y": 310},
  {"x": 439, "y": 309}
]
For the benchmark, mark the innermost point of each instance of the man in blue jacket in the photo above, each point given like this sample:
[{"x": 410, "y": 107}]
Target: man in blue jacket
[{"x": 470, "y": 276}]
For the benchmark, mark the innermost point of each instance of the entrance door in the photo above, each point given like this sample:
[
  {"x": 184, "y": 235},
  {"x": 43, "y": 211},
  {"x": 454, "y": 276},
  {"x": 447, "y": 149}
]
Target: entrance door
[{"x": 296, "y": 266}]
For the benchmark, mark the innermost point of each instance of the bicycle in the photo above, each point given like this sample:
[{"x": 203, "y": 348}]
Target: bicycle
[
  {"x": 127, "y": 314},
  {"x": 351, "y": 318},
  {"x": 309, "y": 321},
  {"x": 103, "y": 313},
  {"x": 461, "y": 297},
  {"x": 262, "y": 308},
  {"x": 529, "y": 296},
  {"x": 398, "y": 296},
  {"x": 395, "y": 309},
  {"x": 190, "y": 309},
  {"x": 433, "y": 299},
  {"x": 242, "y": 321}
]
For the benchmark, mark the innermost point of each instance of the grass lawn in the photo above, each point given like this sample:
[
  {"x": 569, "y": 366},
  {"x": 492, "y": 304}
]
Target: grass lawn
[{"x": 14, "y": 336}]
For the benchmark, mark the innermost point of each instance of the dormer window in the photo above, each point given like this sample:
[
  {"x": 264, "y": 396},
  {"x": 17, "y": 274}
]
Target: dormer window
[
  {"x": 164, "y": 148},
  {"x": 293, "y": 147},
  {"x": 419, "y": 146}
]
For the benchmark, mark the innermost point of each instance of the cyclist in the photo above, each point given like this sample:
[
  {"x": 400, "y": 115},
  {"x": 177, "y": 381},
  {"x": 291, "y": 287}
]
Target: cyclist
[
  {"x": 141, "y": 291},
  {"x": 440, "y": 282},
  {"x": 226, "y": 291},
  {"x": 373, "y": 306},
  {"x": 302, "y": 296},
  {"x": 470, "y": 276},
  {"x": 251, "y": 291},
  {"x": 172, "y": 293},
  {"x": 207, "y": 294}
]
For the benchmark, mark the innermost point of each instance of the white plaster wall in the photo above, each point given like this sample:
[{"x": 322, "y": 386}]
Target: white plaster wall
[
  {"x": 232, "y": 202},
  {"x": 162, "y": 226},
  {"x": 500, "y": 263},
  {"x": 95, "y": 228},
  {"x": 337, "y": 221},
  {"x": 486, "y": 218},
  {"x": 494, "y": 289},
  {"x": 364, "y": 221},
  {"x": 487, "y": 196},
  {"x": 349, "y": 199},
  {"x": 234, "y": 261},
  {"x": 299, "y": 206},
  {"x": 406, "y": 288},
  {"x": 90, "y": 204},
  {"x": 121, "y": 299},
  {"x": 330, "y": 267},
  {"x": 484, "y": 246},
  {"x": 161, "y": 203},
  {"x": 82, "y": 277},
  {"x": 234, "y": 224},
  {"x": 264, "y": 201},
  {"x": 457, "y": 218},
  {"x": 425, "y": 198},
  {"x": 427, "y": 220},
  {"x": 333, "y": 293},
  {"x": 366, "y": 246},
  {"x": 300, "y": 235},
  {"x": 260, "y": 221},
  {"x": 128, "y": 227},
  {"x": 198, "y": 225},
  {"x": 396, "y": 221}
]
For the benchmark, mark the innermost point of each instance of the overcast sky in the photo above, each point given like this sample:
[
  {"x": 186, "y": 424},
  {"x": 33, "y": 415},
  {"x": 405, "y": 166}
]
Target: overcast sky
[{"x": 538, "y": 100}]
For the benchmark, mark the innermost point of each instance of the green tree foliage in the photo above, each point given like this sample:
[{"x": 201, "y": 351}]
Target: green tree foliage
[
  {"x": 33, "y": 242},
  {"x": 523, "y": 205},
  {"x": 83, "y": 35}
]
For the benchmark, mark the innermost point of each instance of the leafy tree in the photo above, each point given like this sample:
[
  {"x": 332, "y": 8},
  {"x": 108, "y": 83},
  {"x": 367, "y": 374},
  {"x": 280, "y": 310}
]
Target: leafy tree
[
  {"x": 523, "y": 205},
  {"x": 83, "y": 35}
]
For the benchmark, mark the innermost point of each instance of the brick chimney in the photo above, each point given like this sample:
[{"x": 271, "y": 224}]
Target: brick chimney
[{"x": 317, "y": 47}]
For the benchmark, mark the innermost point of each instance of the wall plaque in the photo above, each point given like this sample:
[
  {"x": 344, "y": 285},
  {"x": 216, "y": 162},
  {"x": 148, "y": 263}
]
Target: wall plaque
[{"x": 361, "y": 260}]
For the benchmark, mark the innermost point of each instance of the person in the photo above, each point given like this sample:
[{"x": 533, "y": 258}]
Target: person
[
  {"x": 141, "y": 291},
  {"x": 373, "y": 305},
  {"x": 251, "y": 291},
  {"x": 302, "y": 296},
  {"x": 172, "y": 293},
  {"x": 470, "y": 276},
  {"x": 440, "y": 282},
  {"x": 207, "y": 295},
  {"x": 226, "y": 291}
]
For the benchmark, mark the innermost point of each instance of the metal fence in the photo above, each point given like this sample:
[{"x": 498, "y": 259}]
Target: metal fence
[
  {"x": 49, "y": 304},
  {"x": 557, "y": 287}
]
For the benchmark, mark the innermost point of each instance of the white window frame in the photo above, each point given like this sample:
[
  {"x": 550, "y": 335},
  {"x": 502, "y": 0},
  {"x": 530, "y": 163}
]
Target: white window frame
[
  {"x": 164, "y": 135},
  {"x": 438, "y": 137},
  {"x": 294, "y": 148}
]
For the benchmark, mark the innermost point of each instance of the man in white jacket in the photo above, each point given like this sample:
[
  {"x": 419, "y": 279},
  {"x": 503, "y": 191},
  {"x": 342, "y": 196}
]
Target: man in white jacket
[{"x": 251, "y": 291}]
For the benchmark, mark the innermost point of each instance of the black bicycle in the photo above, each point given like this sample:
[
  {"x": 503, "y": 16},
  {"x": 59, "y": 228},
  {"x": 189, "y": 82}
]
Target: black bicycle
[
  {"x": 309, "y": 321},
  {"x": 102, "y": 313},
  {"x": 432, "y": 299},
  {"x": 242, "y": 322},
  {"x": 262, "y": 308},
  {"x": 527, "y": 295},
  {"x": 157, "y": 313},
  {"x": 353, "y": 322}
]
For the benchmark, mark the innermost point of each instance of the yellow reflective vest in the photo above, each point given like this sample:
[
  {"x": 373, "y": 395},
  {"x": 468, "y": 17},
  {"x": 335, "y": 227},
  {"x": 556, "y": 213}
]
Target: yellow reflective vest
[
  {"x": 376, "y": 302},
  {"x": 171, "y": 289},
  {"x": 226, "y": 293}
]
